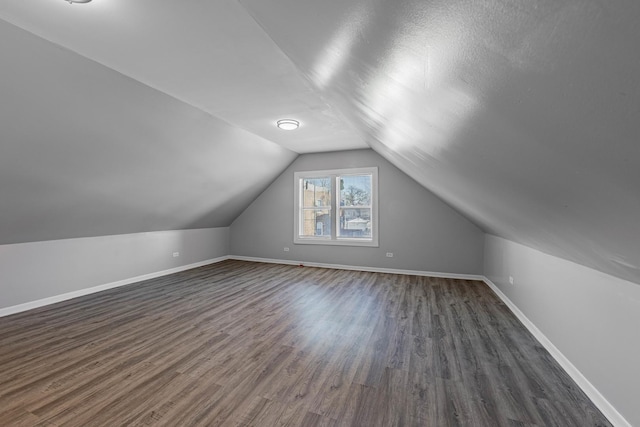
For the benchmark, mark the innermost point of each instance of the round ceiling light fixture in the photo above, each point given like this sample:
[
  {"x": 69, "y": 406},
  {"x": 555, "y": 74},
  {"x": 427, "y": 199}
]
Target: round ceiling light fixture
[
  {"x": 288, "y": 124},
  {"x": 77, "y": 1}
]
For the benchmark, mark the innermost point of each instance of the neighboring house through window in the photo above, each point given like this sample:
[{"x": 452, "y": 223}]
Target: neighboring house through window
[{"x": 337, "y": 207}]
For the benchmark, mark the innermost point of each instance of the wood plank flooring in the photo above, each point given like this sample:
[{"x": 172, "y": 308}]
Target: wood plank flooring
[{"x": 250, "y": 344}]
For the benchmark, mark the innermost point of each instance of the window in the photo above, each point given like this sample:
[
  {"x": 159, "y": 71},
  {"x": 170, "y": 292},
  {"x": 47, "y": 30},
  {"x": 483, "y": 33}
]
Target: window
[{"x": 336, "y": 207}]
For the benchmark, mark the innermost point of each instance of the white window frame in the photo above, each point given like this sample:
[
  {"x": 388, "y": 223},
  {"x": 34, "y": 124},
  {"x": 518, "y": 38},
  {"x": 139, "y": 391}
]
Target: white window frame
[{"x": 334, "y": 239}]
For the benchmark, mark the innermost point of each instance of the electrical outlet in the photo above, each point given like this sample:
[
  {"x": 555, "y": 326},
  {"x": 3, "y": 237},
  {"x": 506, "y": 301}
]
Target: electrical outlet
[
  {"x": 286, "y": 249},
  {"x": 511, "y": 279},
  {"x": 389, "y": 254},
  {"x": 176, "y": 254}
]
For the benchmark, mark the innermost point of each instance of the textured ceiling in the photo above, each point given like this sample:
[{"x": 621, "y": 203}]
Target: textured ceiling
[{"x": 524, "y": 115}]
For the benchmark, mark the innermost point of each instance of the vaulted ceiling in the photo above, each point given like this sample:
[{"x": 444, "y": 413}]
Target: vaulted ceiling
[{"x": 125, "y": 116}]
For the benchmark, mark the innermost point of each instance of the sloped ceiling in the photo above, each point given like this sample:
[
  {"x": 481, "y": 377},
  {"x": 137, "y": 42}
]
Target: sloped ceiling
[
  {"x": 524, "y": 115},
  {"x": 86, "y": 151}
]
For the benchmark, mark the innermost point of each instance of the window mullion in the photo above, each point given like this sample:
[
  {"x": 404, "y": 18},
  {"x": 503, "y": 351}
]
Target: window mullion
[{"x": 334, "y": 207}]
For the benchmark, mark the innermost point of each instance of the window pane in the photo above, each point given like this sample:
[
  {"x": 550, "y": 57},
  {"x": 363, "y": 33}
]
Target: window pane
[
  {"x": 355, "y": 223},
  {"x": 316, "y": 192},
  {"x": 336, "y": 207},
  {"x": 316, "y": 223},
  {"x": 355, "y": 190}
]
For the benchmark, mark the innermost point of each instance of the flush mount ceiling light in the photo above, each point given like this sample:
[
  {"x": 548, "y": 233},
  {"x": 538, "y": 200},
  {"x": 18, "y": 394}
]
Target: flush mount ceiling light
[
  {"x": 288, "y": 124},
  {"x": 77, "y": 1}
]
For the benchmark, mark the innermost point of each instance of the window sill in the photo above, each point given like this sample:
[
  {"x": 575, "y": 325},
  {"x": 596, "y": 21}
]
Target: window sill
[{"x": 341, "y": 242}]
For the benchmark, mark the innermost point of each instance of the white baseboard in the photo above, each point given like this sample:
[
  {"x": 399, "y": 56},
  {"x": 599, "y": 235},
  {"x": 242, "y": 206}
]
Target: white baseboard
[
  {"x": 361, "y": 268},
  {"x": 81, "y": 292},
  {"x": 598, "y": 399}
]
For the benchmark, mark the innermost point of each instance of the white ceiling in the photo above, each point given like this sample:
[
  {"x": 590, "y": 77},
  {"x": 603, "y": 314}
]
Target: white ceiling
[
  {"x": 524, "y": 115},
  {"x": 209, "y": 54}
]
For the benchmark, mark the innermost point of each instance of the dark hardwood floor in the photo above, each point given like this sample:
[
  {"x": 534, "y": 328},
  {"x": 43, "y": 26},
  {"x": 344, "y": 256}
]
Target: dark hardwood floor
[{"x": 250, "y": 344}]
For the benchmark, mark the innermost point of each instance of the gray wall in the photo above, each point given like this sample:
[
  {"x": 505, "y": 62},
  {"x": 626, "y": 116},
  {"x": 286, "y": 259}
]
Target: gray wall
[
  {"x": 423, "y": 232},
  {"x": 33, "y": 271},
  {"x": 591, "y": 317}
]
